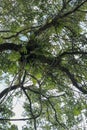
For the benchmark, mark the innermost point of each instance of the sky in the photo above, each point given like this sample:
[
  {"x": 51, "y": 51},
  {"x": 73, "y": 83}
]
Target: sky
[{"x": 18, "y": 109}]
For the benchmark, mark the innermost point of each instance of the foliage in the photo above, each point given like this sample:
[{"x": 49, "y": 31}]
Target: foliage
[{"x": 43, "y": 59}]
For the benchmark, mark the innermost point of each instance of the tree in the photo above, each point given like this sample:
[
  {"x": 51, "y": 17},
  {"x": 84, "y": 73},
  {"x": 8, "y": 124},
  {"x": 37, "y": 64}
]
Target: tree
[{"x": 43, "y": 57}]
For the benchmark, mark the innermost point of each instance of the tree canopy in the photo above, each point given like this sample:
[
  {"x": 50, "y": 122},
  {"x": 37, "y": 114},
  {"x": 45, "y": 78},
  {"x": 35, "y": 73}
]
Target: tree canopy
[{"x": 43, "y": 58}]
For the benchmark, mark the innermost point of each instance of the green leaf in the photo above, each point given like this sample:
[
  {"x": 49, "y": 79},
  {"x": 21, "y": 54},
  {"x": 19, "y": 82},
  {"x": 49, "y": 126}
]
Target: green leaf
[{"x": 14, "y": 56}]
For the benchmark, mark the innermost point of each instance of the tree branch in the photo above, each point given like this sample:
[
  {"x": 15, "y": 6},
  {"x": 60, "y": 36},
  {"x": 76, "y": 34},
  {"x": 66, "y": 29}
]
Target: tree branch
[
  {"x": 4, "y": 31},
  {"x": 54, "y": 21},
  {"x": 30, "y": 103},
  {"x": 73, "y": 80},
  {"x": 73, "y": 53},
  {"x": 75, "y": 9},
  {"x": 20, "y": 119},
  {"x": 6, "y": 90},
  {"x": 9, "y": 46}
]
